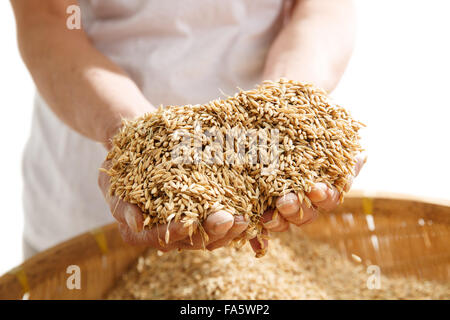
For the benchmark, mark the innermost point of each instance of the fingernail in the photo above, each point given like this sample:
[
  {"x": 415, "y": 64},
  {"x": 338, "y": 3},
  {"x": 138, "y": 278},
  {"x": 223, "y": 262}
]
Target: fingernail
[
  {"x": 288, "y": 199},
  {"x": 320, "y": 191},
  {"x": 271, "y": 224},
  {"x": 283, "y": 203},
  {"x": 222, "y": 226},
  {"x": 240, "y": 223},
  {"x": 130, "y": 219},
  {"x": 288, "y": 204}
]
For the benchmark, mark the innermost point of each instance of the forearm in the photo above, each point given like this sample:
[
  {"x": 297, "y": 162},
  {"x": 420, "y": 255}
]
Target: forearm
[
  {"x": 315, "y": 45},
  {"x": 84, "y": 88}
]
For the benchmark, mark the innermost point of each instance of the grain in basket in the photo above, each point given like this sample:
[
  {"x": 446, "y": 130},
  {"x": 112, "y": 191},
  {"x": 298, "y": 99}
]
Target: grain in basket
[{"x": 295, "y": 268}]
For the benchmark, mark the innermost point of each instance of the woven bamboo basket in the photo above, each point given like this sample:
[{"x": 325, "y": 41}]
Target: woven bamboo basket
[{"x": 404, "y": 236}]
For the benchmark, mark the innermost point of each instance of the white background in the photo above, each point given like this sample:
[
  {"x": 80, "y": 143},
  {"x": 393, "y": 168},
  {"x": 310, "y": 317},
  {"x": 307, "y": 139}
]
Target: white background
[{"x": 397, "y": 83}]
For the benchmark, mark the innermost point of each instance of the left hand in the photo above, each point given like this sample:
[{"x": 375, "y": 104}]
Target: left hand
[{"x": 288, "y": 206}]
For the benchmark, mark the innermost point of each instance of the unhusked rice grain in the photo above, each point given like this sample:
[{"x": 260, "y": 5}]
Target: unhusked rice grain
[
  {"x": 316, "y": 141},
  {"x": 294, "y": 268}
]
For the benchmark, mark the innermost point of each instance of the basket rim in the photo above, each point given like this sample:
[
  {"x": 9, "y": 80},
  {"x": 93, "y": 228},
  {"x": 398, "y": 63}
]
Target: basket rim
[
  {"x": 111, "y": 227},
  {"x": 359, "y": 193}
]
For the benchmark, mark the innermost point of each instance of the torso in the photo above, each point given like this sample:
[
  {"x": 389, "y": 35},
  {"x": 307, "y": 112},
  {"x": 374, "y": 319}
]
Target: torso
[{"x": 178, "y": 52}]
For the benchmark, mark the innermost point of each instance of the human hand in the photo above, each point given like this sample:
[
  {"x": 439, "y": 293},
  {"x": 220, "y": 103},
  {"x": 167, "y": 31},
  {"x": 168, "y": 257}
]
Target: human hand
[
  {"x": 221, "y": 227},
  {"x": 291, "y": 211}
]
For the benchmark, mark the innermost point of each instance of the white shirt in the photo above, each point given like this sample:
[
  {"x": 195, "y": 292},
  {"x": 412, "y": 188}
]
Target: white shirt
[{"x": 178, "y": 52}]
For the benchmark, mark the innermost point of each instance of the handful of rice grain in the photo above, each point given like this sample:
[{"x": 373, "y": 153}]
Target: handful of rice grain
[{"x": 182, "y": 163}]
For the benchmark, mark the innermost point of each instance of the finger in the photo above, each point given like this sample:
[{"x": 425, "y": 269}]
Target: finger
[
  {"x": 132, "y": 238},
  {"x": 318, "y": 192},
  {"x": 294, "y": 212},
  {"x": 361, "y": 159},
  {"x": 324, "y": 197},
  {"x": 158, "y": 236},
  {"x": 218, "y": 224},
  {"x": 216, "y": 227},
  {"x": 103, "y": 177},
  {"x": 288, "y": 204},
  {"x": 239, "y": 226},
  {"x": 197, "y": 242},
  {"x": 127, "y": 213},
  {"x": 122, "y": 211},
  {"x": 303, "y": 215},
  {"x": 260, "y": 246},
  {"x": 274, "y": 221},
  {"x": 349, "y": 184}
]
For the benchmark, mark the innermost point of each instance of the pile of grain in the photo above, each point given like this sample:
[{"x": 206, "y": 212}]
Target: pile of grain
[
  {"x": 294, "y": 268},
  {"x": 317, "y": 142}
]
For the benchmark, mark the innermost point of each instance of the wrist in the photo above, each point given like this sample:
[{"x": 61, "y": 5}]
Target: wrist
[
  {"x": 291, "y": 66},
  {"x": 115, "y": 123}
]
